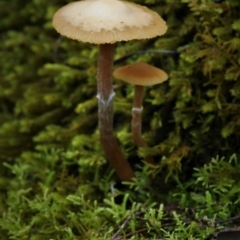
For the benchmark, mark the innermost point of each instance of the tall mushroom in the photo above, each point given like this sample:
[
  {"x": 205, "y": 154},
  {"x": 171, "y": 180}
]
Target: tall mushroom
[
  {"x": 105, "y": 22},
  {"x": 140, "y": 74}
]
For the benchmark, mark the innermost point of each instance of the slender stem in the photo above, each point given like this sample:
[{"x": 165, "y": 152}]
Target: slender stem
[
  {"x": 137, "y": 119},
  {"x": 137, "y": 116},
  {"x": 105, "y": 114}
]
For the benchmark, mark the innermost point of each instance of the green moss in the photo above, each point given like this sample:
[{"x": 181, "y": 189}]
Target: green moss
[{"x": 54, "y": 180}]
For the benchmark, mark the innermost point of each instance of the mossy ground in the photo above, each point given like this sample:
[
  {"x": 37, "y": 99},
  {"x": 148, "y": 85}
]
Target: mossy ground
[{"x": 54, "y": 180}]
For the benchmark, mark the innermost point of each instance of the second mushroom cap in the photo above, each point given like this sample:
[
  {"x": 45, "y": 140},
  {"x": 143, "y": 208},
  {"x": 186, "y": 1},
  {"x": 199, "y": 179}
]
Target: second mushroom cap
[{"x": 141, "y": 74}]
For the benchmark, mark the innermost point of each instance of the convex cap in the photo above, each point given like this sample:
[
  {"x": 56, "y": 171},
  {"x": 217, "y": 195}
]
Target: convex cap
[
  {"x": 107, "y": 21},
  {"x": 141, "y": 74}
]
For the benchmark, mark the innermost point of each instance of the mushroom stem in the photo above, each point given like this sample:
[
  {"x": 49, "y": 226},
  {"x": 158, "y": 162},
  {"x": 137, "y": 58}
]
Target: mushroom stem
[
  {"x": 137, "y": 120},
  {"x": 105, "y": 97}
]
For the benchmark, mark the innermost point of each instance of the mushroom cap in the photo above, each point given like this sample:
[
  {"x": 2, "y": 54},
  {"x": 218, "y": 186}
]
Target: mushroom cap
[
  {"x": 107, "y": 21},
  {"x": 141, "y": 74}
]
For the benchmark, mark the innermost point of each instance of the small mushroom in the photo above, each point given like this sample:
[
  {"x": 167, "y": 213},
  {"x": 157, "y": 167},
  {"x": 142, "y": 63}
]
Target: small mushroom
[
  {"x": 140, "y": 74},
  {"x": 105, "y": 22}
]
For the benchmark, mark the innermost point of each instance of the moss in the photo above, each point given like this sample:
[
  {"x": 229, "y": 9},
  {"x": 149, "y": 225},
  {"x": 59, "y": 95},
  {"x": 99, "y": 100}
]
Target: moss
[{"x": 54, "y": 180}]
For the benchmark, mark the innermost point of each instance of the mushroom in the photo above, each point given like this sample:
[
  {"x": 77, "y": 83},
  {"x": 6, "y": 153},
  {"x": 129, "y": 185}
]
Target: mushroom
[
  {"x": 140, "y": 74},
  {"x": 105, "y": 22}
]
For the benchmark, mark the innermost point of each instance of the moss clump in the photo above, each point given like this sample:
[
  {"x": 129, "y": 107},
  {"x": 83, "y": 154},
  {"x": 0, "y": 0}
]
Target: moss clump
[
  {"x": 56, "y": 195},
  {"x": 54, "y": 181}
]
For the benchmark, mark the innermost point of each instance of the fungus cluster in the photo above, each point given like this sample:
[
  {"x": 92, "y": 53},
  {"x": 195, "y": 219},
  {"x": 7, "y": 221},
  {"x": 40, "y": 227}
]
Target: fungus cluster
[{"x": 105, "y": 22}]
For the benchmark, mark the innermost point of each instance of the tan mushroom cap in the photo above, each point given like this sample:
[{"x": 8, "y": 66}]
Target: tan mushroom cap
[
  {"x": 141, "y": 74},
  {"x": 107, "y": 21}
]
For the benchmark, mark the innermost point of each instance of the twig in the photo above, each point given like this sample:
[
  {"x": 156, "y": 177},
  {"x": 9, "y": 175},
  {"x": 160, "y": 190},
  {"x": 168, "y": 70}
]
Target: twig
[
  {"x": 132, "y": 233},
  {"x": 228, "y": 220},
  {"x": 114, "y": 237},
  {"x": 158, "y": 51}
]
